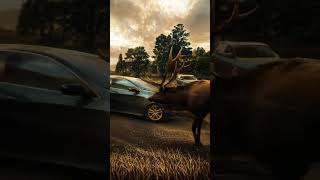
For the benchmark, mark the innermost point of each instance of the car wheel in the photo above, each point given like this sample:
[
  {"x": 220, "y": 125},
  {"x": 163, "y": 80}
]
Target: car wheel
[{"x": 155, "y": 113}]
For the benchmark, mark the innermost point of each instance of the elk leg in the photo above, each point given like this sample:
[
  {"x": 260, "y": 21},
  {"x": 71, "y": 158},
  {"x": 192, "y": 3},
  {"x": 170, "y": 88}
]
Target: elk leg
[
  {"x": 194, "y": 131},
  {"x": 196, "y": 128},
  {"x": 199, "y": 124}
]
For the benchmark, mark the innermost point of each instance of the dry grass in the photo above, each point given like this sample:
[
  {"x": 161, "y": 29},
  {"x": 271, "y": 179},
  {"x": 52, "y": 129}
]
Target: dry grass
[{"x": 137, "y": 163}]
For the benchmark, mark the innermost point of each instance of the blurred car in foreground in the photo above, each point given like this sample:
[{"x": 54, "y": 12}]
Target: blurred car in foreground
[
  {"x": 54, "y": 106},
  {"x": 234, "y": 57},
  {"x": 130, "y": 95},
  {"x": 184, "y": 79}
]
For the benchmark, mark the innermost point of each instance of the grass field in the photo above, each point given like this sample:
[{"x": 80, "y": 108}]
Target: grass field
[
  {"x": 137, "y": 163},
  {"x": 159, "y": 151}
]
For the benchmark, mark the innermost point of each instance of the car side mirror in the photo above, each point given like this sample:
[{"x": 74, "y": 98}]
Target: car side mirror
[
  {"x": 134, "y": 90},
  {"x": 74, "y": 90}
]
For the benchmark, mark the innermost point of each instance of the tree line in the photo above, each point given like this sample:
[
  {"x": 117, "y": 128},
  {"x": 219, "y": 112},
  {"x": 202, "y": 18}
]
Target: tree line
[
  {"x": 77, "y": 24},
  {"x": 285, "y": 25},
  {"x": 137, "y": 61}
]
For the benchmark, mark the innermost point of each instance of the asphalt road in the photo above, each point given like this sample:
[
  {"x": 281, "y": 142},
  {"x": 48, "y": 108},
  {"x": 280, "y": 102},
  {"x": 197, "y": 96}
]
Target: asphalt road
[{"x": 174, "y": 133}]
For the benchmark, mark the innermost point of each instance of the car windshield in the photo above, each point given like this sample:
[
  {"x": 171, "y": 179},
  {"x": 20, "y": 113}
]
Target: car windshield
[
  {"x": 144, "y": 85},
  {"x": 254, "y": 51},
  {"x": 188, "y": 77}
]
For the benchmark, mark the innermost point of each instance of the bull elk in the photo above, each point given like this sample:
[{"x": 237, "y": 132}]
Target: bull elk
[
  {"x": 272, "y": 114},
  {"x": 194, "y": 97}
]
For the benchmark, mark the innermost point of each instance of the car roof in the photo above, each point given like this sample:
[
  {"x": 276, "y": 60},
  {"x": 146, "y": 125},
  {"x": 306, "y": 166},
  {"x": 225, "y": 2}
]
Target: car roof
[
  {"x": 240, "y": 43},
  {"x": 125, "y": 77},
  {"x": 185, "y": 75},
  {"x": 89, "y": 66},
  {"x": 133, "y": 79}
]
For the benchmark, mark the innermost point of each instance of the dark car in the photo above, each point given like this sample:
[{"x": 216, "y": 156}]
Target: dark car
[
  {"x": 235, "y": 57},
  {"x": 54, "y": 106},
  {"x": 130, "y": 95}
]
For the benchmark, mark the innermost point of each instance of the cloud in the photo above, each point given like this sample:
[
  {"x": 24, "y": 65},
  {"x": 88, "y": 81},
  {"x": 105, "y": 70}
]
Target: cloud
[
  {"x": 199, "y": 22},
  {"x": 139, "y": 22}
]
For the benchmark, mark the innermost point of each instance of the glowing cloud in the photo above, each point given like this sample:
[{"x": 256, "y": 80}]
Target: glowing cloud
[{"x": 139, "y": 22}]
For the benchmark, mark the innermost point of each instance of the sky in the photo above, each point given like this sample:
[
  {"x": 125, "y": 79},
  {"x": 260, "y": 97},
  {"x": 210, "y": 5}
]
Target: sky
[
  {"x": 10, "y": 4},
  {"x": 138, "y": 22},
  {"x": 9, "y": 12}
]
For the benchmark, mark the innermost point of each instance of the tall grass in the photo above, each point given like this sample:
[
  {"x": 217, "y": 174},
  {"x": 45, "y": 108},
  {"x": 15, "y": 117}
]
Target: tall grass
[{"x": 137, "y": 163}]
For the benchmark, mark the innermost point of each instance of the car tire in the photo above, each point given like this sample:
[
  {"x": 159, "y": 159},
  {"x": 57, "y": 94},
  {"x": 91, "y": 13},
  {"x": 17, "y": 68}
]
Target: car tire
[{"x": 155, "y": 113}]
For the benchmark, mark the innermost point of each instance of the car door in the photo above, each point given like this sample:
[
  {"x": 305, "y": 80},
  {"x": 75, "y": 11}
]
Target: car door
[
  {"x": 42, "y": 123},
  {"x": 124, "y": 98}
]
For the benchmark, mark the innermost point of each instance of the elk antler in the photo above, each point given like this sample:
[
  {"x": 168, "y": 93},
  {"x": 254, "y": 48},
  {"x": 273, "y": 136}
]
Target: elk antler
[
  {"x": 170, "y": 64},
  {"x": 236, "y": 14}
]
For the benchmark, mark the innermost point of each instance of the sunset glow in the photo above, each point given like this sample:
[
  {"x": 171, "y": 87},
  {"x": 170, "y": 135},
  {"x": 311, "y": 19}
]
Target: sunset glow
[
  {"x": 176, "y": 7},
  {"x": 138, "y": 23}
]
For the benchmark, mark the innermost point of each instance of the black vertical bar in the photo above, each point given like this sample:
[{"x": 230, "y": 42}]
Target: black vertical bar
[
  {"x": 212, "y": 47},
  {"x": 108, "y": 165}
]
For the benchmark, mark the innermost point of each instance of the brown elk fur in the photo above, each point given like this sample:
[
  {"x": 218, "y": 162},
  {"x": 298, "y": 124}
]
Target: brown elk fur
[
  {"x": 194, "y": 97},
  {"x": 271, "y": 113}
]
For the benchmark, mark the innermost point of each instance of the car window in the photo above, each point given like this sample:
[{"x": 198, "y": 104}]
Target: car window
[
  {"x": 144, "y": 85},
  {"x": 188, "y": 77},
  {"x": 254, "y": 51},
  {"x": 122, "y": 84},
  {"x": 35, "y": 71}
]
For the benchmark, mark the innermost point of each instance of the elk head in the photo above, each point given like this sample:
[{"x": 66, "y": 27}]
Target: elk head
[{"x": 173, "y": 66}]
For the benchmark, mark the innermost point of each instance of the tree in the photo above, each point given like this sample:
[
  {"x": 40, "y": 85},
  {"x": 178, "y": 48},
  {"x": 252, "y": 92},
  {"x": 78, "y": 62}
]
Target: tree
[
  {"x": 179, "y": 37},
  {"x": 161, "y": 49},
  {"x": 153, "y": 68},
  {"x": 27, "y": 21},
  {"x": 197, "y": 65},
  {"x": 120, "y": 67},
  {"x": 199, "y": 51},
  {"x": 203, "y": 66},
  {"x": 82, "y": 22},
  {"x": 138, "y": 59}
]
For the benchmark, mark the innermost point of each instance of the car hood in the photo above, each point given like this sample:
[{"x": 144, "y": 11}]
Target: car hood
[
  {"x": 250, "y": 63},
  {"x": 147, "y": 94}
]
